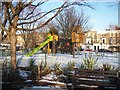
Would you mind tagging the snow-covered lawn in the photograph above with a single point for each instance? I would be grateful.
(109, 58)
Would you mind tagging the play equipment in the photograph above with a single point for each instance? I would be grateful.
(49, 38)
(55, 38)
(77, 37)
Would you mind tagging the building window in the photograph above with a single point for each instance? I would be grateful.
(103, 41)
(88, 47)
(94, 47)
(98, 47)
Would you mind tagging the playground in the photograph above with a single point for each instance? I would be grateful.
(49, 67)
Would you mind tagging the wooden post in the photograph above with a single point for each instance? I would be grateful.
(39, 72)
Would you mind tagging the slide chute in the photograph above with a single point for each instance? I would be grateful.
(49, 38)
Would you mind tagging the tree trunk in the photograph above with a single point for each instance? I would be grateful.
(54, 51)
(73, 49)
(13, 47)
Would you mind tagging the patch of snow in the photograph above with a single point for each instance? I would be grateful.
(23, 74)
(53, 82)
(28, 81)
(50, 77)
(69, 84)
(108, 58)
(42, 88)
(94, 79)
(92, 86)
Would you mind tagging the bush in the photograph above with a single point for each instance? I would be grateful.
(68, 69)
(31, 62)
(89, 62)
(57, 68)
(108, 67)
(44, 68)
(33, 68)
(9, 74)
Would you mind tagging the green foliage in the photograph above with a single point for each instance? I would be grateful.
(44, 68)
(89, 62)
(9, 74)
(70, 65)
(68, 69)
(81, 66)
(33, 68)
(57, 68)
(108, 67)
(32, 62)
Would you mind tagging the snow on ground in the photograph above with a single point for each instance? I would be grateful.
(42, 88)
(109, 58)
(52, 82)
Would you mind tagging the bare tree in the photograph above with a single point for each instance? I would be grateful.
(12, 19)
(70, 21)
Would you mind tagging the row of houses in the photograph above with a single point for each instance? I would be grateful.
(94, 40)
(109, 39)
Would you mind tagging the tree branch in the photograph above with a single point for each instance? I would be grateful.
(42, 15)
(8, 16)
(2, 27)
(11, 7)
(5, 18)
(60, 9)
(35, 6)
(31, 16)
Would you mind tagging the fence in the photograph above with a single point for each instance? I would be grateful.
(95, 79)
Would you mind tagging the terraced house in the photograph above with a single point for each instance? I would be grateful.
(109, 39)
